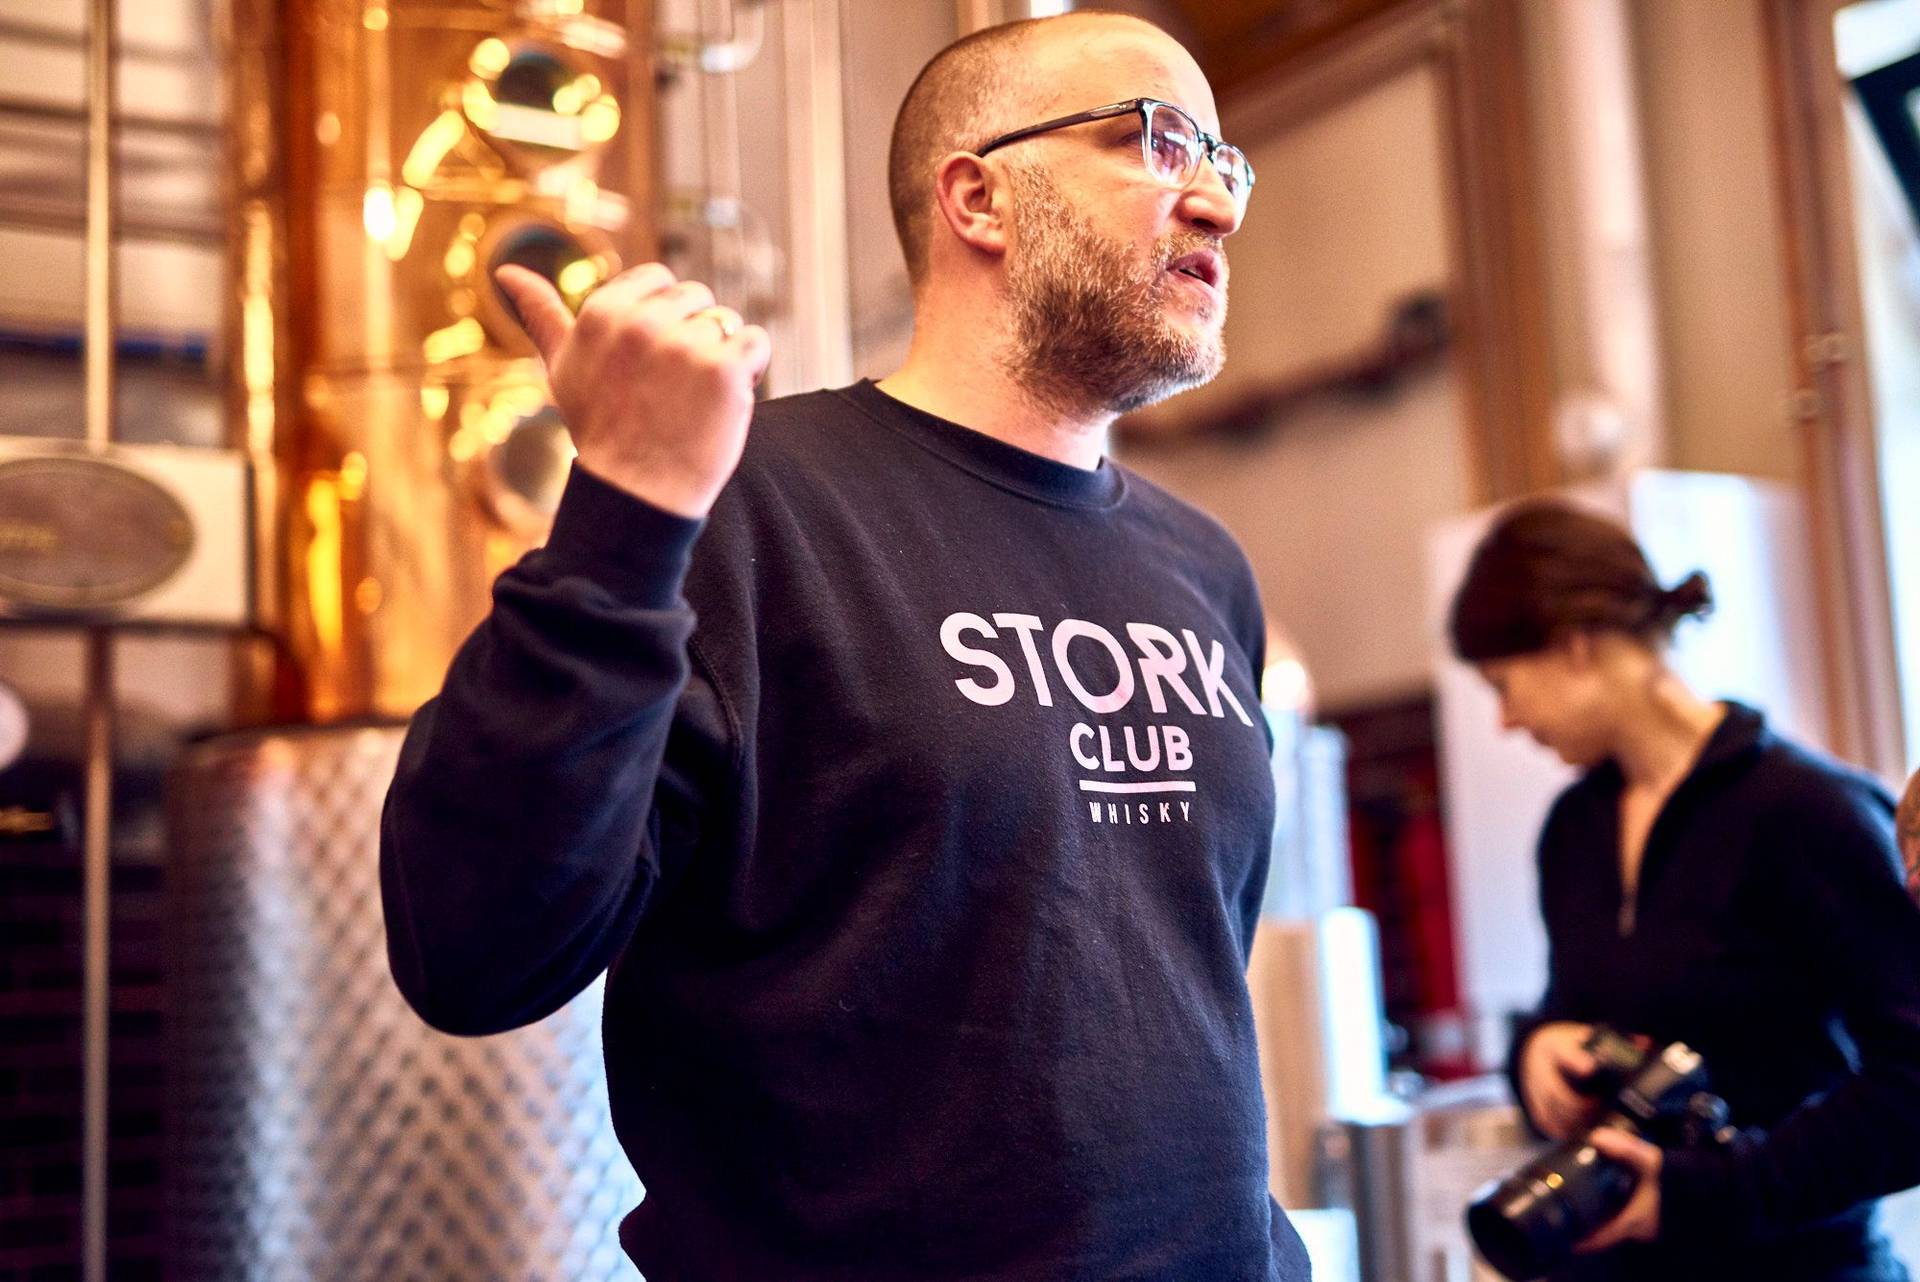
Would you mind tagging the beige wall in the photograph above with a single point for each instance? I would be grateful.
(1350, 213)
(1719, 273)
(885, 47)
(1332, 505)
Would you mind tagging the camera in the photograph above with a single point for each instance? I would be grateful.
(1528, 1223)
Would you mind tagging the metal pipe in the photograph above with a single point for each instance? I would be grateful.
(693, 51)
(970, 16)
(1610, 419)
(99, 642)
(154, 229)
(98, 995)
(719, 99)
(99, 289)
(59, 113)
(818, 302)
(20, 31)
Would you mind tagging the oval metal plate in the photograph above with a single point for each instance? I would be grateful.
(86, 533)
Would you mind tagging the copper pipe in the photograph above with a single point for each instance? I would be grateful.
(99, 686)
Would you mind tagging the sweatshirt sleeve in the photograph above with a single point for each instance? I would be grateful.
(1552, 1006)
(1850, 919)
(534, 801)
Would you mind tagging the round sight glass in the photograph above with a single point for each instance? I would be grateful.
(537, 99)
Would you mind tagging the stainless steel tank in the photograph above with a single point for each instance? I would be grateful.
(320, 1131)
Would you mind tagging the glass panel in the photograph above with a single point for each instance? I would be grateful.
(1878, 46)
(1873, 41)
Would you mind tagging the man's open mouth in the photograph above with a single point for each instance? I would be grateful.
(1202, 265)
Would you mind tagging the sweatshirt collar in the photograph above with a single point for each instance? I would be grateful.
(991, 459)
(1741, 731)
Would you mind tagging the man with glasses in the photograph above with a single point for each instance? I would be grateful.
(896, 754)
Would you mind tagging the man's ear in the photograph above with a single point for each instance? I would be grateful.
(972, 201)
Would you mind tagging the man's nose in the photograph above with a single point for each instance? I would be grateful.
(1208, 205)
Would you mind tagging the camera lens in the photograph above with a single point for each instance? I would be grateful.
(1529, 1222)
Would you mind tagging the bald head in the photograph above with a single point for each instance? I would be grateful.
(983, 85)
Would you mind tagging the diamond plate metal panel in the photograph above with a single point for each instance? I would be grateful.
(321, 1132)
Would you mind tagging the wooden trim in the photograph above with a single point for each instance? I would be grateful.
(1242, 43)
(1833, 403)
(1338, 70)
(1506, 354)
(1476, 51)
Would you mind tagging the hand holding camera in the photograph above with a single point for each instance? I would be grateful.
(1530, 1222)
(1639, 1219)
(1553, 1067)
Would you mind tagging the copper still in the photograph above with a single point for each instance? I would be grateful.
(388, 155)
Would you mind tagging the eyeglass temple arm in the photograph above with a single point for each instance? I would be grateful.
(1077, 118)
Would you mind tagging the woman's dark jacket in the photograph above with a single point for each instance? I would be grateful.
(1771, 932)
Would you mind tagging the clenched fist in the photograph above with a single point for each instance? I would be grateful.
(655, 380)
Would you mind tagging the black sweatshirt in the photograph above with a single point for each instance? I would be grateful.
(920, 805)
(1771, 933)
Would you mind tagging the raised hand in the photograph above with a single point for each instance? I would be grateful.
(654, 379)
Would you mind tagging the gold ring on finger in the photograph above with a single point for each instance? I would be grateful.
(726, 318)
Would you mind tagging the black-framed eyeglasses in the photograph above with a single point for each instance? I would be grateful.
(1172, 146)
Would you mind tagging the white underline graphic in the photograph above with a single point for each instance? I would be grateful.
(1170, 785)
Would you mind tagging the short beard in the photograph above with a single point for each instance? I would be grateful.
(1091, 332)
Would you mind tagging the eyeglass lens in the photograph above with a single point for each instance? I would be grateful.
(1175, 153)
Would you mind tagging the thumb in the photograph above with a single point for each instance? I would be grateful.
(1579, 1061)
(538, 307)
